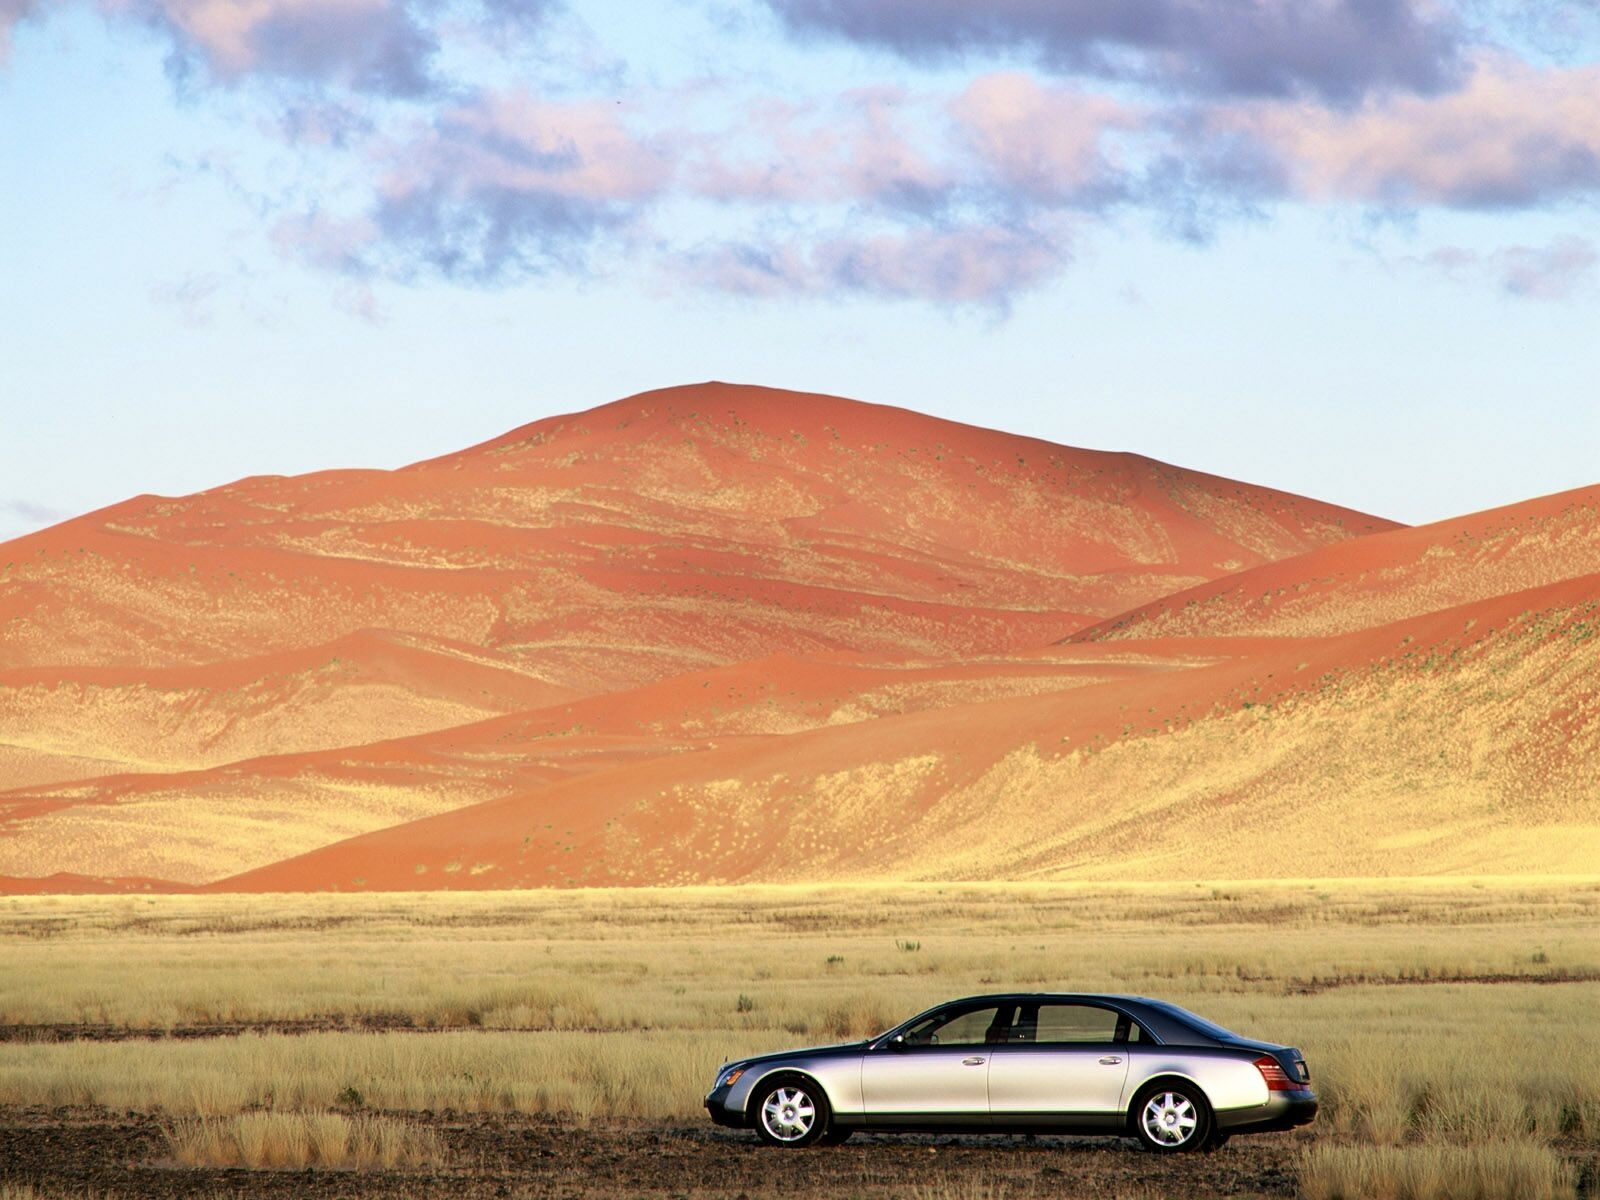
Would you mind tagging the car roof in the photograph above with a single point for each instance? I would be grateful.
(1112, 996)
(1160, 1017)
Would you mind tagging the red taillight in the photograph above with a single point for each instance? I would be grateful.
(1272, 1071)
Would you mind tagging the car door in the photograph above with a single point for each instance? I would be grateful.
(1062, 1065)
(937, 1073)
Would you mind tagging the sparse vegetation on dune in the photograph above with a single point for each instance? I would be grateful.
(303, 1139)
(354, 1013)
(1436, 746)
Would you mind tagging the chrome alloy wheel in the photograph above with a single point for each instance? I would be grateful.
(1169, 1118)
(788, 1114)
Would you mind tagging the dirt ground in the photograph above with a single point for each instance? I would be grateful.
(75, 1152)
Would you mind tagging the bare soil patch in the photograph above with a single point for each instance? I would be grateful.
(125, 1154)
(72, 1031)
(1316, 986)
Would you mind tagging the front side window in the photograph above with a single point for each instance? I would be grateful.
(968, 1027)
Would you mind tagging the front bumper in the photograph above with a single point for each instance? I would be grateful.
(719, 1112)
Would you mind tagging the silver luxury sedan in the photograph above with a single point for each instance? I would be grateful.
(1027, 1062)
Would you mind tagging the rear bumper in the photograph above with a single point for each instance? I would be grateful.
(1285, 1110)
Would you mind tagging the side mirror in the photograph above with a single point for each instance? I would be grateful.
(898, 1042)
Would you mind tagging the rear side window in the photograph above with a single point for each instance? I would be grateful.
(1047, 1024)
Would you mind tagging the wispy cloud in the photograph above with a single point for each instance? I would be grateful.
(1040, 144)
(328, 242)
(1553, 272)
(374, 46)
(859, 147)
(1335, 49)
(975, 265)
(1557, 271)
(1512, 136)
(508, 185)
(370, 47)
(12, 14)
(192, 296)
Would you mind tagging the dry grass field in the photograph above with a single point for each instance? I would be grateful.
(559, 1043)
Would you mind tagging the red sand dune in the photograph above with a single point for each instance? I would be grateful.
(671, 531)
(1386, 577)
(718, 633)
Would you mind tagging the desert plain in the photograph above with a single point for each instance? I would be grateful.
(439, 831)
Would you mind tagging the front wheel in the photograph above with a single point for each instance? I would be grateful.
(1172, 1117)
(791, 1112)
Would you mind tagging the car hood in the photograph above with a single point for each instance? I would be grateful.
(839, 1051)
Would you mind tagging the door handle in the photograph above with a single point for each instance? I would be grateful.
(973, 1062)
(1110, 1060)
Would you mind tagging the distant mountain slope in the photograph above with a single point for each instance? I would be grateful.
(186, 683)
(1384, 578)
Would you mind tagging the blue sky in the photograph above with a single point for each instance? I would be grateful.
(1343, 247)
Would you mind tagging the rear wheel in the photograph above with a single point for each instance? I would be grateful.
(1171, 1117)
(791, 1111)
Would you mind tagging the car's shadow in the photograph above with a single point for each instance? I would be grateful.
(1011, 1143)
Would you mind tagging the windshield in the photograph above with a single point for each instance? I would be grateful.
(1193, 1020)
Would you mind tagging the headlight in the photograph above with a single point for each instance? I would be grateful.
(729, 1077)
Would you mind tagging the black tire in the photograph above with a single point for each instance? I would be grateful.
(836, 1136)
(1171, 1117)
(790, 1110)
(1214, 1143)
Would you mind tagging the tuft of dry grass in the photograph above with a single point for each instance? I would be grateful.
(1391, 1071)
(1482, 1171)
(303, 1139)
